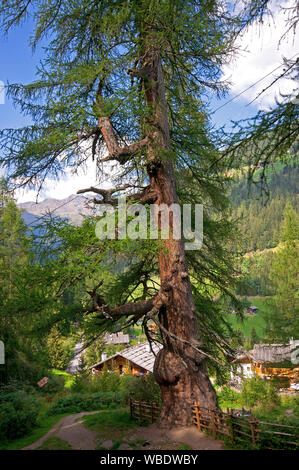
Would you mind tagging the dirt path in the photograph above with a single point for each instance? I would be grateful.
(72, 430)
(164, 439)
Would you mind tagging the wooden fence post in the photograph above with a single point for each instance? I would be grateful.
(253, 427)
(213, 422)
(231, 425)
(140, 412)
(152, 412)
(197, 413)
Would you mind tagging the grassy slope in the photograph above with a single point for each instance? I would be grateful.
(68, 378)
(44, 425)
(54, 443)
(257, 321)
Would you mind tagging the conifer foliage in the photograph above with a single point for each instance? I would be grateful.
(132, 76)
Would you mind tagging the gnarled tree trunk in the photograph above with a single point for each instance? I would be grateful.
(179, 369)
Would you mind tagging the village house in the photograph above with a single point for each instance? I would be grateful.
(268, 361)
(252, 310)
(135, 360)
(116, 338)
(243, 367)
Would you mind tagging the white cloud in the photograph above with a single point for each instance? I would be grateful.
(68, 184)
(260, 54)
(72, 180)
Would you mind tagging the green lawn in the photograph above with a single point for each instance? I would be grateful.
(286, 412)
(68, 378)
(54, 443)
(109, 423)
(257, 321)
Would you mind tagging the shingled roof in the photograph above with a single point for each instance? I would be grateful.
(272, 353)
(243, 355)
(116, 338)
(140, 355)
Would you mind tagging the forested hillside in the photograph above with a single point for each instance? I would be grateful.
(261, 213)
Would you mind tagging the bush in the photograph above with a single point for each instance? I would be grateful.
(18, 414)
(55, 384)
(257, 391)
(143, 388)
(228, 395)
(86, 402)
(16, 386)
(105, 382)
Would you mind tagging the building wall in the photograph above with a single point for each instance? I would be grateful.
(283, 375)
(121, 365)
(244, 370)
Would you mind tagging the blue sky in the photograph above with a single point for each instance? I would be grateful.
(259, 55)
(18, 65)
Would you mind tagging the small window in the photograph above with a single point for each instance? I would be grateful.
(120, 369)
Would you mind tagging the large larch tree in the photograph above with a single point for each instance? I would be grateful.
(132, 76)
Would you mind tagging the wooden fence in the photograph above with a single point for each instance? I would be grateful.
(144, 411)
(236, 428)
(260, 433)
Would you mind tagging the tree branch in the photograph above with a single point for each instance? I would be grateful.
(146, 196)
(105, 193)
(121, 154)
(148, 307)
(141, 72)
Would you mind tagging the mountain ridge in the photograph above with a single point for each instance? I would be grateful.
(73, 208)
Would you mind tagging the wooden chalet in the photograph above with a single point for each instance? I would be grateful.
(252, 310)
(135, 360)
(268, 361)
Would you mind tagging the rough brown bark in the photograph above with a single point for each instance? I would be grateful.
(179, 370)
(121, 154)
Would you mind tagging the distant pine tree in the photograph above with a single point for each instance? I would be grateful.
(284, 321)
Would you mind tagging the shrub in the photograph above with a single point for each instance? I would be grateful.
(228, 395)
(16, 386)
(18, 413)
(86, 402)
(257, 391)
(54, 385)
(105, 382)
(143, 388)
